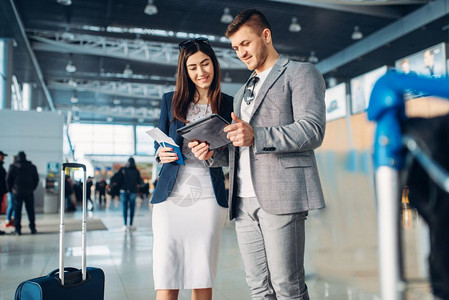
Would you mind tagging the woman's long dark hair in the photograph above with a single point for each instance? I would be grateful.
(185, 88)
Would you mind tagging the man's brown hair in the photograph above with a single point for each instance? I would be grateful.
(250, 17)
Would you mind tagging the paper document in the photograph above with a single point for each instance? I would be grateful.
(160, 137)
(165, 141)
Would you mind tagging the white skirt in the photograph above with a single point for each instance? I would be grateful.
(187, 230)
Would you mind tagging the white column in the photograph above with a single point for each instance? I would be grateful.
(6, 46)
(27, 93)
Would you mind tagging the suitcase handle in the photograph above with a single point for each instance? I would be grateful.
(73, 166)
(61, 226)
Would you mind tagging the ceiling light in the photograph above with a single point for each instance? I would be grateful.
(64, 2)
(74, 99)
(71, 68)
(109, 119)
(140, 120)
(72, 83)
(127, 71)
(226, 17)
(150, 9)
(357, 34)
(294, 26)
(116, 101)
(312, 58)
(66, 35)
(331, 82)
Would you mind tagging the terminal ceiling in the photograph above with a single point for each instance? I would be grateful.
(104, 37)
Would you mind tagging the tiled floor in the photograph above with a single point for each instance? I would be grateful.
(334, 270)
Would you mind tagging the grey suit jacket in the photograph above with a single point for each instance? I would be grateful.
(289, 122)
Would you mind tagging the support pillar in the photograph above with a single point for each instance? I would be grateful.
(27, 93)
(6, 48)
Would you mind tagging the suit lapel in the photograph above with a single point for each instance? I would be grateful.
(178, 139)
(177, 124)
(278, 69)
(238, 98)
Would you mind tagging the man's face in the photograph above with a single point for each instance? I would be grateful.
(250, 47)
(2, 157)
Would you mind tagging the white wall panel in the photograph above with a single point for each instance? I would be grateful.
(39, 134)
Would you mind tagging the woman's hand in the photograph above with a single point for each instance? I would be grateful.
(166, 155)
(200, 150)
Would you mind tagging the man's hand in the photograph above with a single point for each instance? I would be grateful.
(201, 150)
(240, 133)
(166, 155)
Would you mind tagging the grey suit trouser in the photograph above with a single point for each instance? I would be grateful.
(272, 249)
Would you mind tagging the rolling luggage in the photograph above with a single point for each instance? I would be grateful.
(86, 283)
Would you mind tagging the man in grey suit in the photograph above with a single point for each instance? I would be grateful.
(278, 121)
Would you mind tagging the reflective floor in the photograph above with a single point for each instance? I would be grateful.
(334, 269)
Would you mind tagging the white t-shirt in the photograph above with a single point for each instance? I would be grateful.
(244, 181)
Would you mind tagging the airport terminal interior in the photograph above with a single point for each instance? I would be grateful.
(82, 81)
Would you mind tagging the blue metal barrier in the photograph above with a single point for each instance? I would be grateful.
(387, 108)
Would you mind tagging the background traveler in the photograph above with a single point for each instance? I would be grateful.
(100, 189)
(128, 191)
(3, 189)
(89, 185)
(22, 179)
(9, 222)
(69, 194)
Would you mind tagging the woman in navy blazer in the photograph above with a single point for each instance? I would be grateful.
(189, 200)
(167, 175)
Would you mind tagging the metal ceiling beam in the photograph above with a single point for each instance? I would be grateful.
(128, 112)
(363, 7)
(374, 2)
(32, 56)
(114, 88)
(415, 20)
(137, 50)
(109, 76)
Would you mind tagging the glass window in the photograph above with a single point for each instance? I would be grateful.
(102, 139)
(144, 143)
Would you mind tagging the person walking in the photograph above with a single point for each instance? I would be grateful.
(131, 180)
(114, 185)
(68, 194)
(22, 179)
(3, 189)
(189, 201)
(100, 188)
(9, 222)
(279, 120)
(89, 185)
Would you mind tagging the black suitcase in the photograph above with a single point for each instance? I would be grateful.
(66, 283)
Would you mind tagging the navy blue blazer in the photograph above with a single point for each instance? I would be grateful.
(168, 173)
